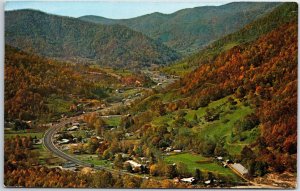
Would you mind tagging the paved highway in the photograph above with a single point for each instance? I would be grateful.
(48, 142)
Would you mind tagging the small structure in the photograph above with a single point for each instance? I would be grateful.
(239, 168)
(73, 128)
(188, 180)
(64, 141)
(76, 124)
(207, 182)
(177, 151)
(133, 164)
(219, 158)
(128, 134)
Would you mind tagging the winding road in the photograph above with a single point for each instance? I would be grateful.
(49, 144)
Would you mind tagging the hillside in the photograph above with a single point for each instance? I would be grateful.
(190, 29)
(39, 88)
(78, 41)
(284, 13)
(242, 104)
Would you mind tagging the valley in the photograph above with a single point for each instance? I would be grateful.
(113, 104)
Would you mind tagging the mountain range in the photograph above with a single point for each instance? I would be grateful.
(188, 30)
(78, 41)
(154, 39)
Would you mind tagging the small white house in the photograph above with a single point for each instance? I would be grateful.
(64, 141)
(133, 164)
(73, 128)
(188, 180)
(177, 151)
(240, 168)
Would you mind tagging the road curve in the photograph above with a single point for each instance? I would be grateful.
(48, 143)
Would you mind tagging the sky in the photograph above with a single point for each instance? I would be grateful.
(114, 9)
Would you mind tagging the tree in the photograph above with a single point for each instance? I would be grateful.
(118, 162)
(210, 176)
(106, 154)
(128, 167)
(154, 170)
(182, 169)
(198, 175)
(170, 171)
(195, 118)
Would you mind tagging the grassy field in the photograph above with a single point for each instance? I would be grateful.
(58, 105)
(220, 129)
(9, 134)
(93, 159)
(202, 163)
(178, 69)
(113, 121)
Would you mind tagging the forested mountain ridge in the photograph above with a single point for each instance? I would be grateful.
(242, 104)
(282, 14)
(264, 73)
(188, 30)
(72, 39)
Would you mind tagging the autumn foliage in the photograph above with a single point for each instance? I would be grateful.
(264, 72)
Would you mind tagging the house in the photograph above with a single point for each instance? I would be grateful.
(128, 134)
(133, 164)
(76, 124)
(63, 141)
(207, 182)
(177, 151)
(168, 149)
(239, 168)
(188, 180)
(73, 128)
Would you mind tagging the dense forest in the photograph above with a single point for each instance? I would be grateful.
(62, 38)
(190, 29)
(36, 87)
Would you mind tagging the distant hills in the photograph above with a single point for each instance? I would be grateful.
(71, 39)
(188, 30)
(284, 13)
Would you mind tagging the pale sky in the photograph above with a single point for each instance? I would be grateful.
(110, 9)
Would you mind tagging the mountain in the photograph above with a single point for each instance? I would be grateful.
(72, 39)
(284, 13)
(242, 104)
(190, 29)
